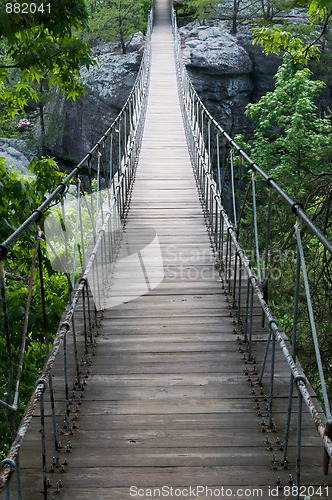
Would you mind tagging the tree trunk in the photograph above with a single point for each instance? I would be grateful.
(42, 129)
(236, 6)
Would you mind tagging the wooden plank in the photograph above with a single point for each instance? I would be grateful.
(161, 436)
(181, 423)
(230, 407)
(104, 388)
(192, 456)
(123, 477)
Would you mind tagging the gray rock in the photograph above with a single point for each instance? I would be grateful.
(264, 66)
(17, 155)
(137, 42)
(213, 47)
(73, 127)
(227, 71)
(221, 70)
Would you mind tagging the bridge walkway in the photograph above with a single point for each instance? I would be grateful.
(167, 401)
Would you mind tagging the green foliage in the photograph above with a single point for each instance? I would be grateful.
(198, 9)
(42, 45)
(317, 9)
(8, 127)
(264, 13)
(300, 42)
(117, 20)
(20, 196)
(293, 144)
(275, 39)
(290, 140)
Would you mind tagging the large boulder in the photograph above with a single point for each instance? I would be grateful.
(215, 49)
(226, 70)
(73, 127)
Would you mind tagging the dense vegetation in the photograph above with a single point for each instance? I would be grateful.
(116, 21)
(39, 52)
(293, 145)
(19, 197)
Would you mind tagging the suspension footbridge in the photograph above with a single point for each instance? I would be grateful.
(169, 374)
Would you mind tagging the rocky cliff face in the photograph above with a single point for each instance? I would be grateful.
(228, 72)
(74, 127)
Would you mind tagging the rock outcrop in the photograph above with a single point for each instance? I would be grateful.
(16, 154)
(73, 127)
(228, 72)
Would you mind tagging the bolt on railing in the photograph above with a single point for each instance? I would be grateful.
(233, 188)
(82, 232)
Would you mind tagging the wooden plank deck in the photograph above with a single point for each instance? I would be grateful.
(167, 402)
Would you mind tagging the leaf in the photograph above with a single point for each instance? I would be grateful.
(18, 188)
(16, 314)
(5, 227)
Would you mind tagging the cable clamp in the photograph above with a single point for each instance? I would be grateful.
(10, 462)
(300, 378)
(274, 322)
(39, 213)
(66, 325)
(42, 381)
